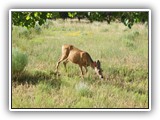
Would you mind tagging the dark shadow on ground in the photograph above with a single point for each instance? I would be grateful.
(36, 77)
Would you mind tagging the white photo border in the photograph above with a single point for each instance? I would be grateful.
(79, 109)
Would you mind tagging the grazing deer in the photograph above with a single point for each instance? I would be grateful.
(82, 58)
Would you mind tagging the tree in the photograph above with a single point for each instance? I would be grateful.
(28, 19)
(129, 18)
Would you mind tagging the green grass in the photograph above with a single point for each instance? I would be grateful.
(123, 54)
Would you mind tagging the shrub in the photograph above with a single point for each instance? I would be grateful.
(47, 24)
(37, 27)
(23, 32)
(83, 89)
(19, 61)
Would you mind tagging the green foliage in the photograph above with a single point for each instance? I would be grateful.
(19, 61)
(129, 18)
(94, 16)
(72, 14)
(28, 19)
(55, 15)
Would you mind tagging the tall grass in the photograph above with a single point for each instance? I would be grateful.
(123, 54)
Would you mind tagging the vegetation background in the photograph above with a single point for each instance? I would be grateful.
(122, 51)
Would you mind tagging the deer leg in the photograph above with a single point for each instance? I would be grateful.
(58, 65)
(65, 63)
(86, 68)
(81, 71)
(60, 60)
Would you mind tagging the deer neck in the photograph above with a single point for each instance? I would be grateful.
(90, 61)
(93, 64)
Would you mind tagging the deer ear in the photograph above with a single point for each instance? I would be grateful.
(98, 62)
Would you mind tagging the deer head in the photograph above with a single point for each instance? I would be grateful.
(97, 68)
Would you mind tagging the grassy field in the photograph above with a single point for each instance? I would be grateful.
(123, 53)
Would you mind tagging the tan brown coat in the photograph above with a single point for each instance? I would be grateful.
(79, 57)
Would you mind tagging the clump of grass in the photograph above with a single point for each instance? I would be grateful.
(132, 35)
(84, 103)
(105, 30)
(19, 61)
(83, 89)
(129, 73)
(46, 86)
(48, 24)
(129, 39)
(129, 79)
(136, 33)
(22, 32)
(37, 27)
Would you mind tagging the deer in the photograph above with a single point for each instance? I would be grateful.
(79, 57)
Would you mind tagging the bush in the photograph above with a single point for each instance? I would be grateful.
(37, 27)
(83, 89)
(23, 32)
(19, 61)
